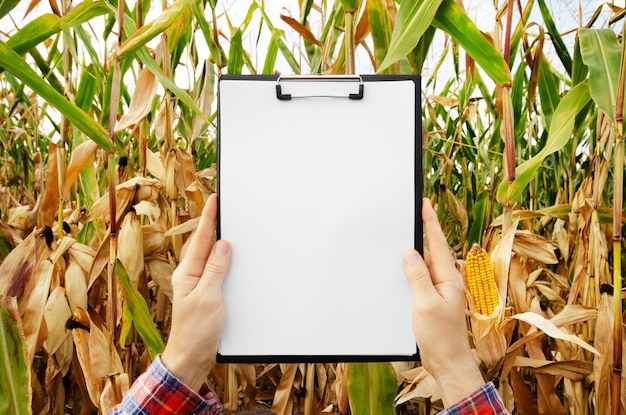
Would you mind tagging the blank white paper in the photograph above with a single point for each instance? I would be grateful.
(317, 199)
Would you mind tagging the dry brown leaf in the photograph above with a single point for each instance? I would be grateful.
(422, 385)
(147, 209)
(33, 305)
(100, 260)
(283, 398)
(130, 246)
(56, 313)
(93, 349)
(534, 247)
(602, 365)
(76, 286)
(573, 314)
(141, 102)
(155, 166)
(20, 217)
(154, 239)
(61, 248)
(79, 158)
(83, 255)
(64, 354)
(188, 226)
(50, 200)
(196, 197)
(576, 370)
(161, 272)
(445, 101)
(81, 335)
(598, 251)
(17, 268)
(125, 193)
(524, 400)
(501, 260)
(115, 387)
(553, 331)
(548, 401)
(171, 165)
(517, 284)
(205, 102)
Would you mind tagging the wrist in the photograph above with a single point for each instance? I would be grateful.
(191, 373)
(459, 379)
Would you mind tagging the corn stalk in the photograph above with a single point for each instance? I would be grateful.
(112, 288)
(618, 195)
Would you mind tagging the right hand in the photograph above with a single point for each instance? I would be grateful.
(439, 314)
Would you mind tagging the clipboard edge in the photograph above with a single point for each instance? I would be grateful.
(418, 224)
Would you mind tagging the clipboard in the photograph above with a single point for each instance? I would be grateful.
(319, 194)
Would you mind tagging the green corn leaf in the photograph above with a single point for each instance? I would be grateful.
(217, 53)
(168, 83)
(151, 30)
(14, 64)
(602, 54)
(277, 35)
(559, 133)
(479, 218)
(414, 17)
(270, 57)
(6, 6)
(549, 94)
(380, 26)
(372, 388)
(350, 5)
(15, 390)
(44, 26)
(140, 313)
(235, 54)
(453, 20)
(557, 41)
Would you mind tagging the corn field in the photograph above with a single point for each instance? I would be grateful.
(107, 131)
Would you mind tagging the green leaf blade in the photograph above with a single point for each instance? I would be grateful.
(602, 54)
(140, 313)
(13, 63)
(414, 17)
(15, 391)
(560, 131)
(453, 20)
(371, 388)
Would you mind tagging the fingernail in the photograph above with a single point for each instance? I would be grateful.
(411, 257)
(221, 248)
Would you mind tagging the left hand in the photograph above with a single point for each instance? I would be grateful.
(198, 309)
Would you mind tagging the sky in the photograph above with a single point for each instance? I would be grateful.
(480, 11)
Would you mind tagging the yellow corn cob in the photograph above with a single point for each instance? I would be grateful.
(481, 280)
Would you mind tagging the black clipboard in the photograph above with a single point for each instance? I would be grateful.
(319, 193)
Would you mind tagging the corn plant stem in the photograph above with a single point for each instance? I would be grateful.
(507, 36)
(349, 41)
(618, 189)
(112, 184)
(310, 389)
(618, 196)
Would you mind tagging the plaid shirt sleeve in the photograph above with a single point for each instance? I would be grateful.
(158, 392)
(485, 401)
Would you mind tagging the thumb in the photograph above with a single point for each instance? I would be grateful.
(216, 266)
(418, 275)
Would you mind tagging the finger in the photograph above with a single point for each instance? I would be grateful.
(202, 242)
(439, 257)
(418, 276)
(216, 267)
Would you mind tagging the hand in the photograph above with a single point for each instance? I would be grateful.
(198, 309)
(439, 314)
